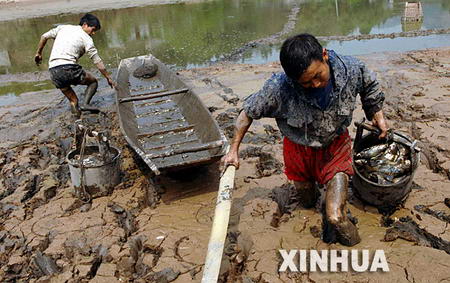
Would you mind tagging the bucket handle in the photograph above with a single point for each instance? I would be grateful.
(361, 126)
(392, 136)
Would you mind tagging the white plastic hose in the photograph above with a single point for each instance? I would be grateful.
(219, 227)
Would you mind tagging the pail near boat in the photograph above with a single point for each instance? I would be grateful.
(99, 178)
(383, 196)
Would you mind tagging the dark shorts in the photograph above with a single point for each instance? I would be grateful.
(66, 75)
(303, 163)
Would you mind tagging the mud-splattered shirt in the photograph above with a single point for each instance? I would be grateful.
(71, 42)
(301, 120)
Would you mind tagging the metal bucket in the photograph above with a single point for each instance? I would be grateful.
(99, 180)
(384, 196)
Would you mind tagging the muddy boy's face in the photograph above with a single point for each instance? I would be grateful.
(317, 75)
(89, 30)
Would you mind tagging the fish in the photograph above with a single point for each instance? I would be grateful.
(389, 156)
(380, 162)
(403, 151)
(391, 152)
(372, 152)
(393, 148)
(360, 162)
(392, 170)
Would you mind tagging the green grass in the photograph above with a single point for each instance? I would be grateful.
(18, 88)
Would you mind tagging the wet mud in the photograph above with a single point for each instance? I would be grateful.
(409, 230)
(266, 164)
(237, 250)
(157, 229)
(439, 214)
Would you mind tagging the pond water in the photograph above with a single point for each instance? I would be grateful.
(196, 34)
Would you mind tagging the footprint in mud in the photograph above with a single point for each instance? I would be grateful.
(285, 197)
(237, 250)
(125, 219)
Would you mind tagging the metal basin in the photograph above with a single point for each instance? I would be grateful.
(383, 195)
(100, 179)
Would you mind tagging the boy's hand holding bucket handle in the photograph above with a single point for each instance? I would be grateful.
(379, 122)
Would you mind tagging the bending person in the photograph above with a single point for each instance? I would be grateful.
(71, 42)
(313, 103)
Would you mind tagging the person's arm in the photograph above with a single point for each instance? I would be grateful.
(41, 45)
(50, 34)
(243, 122)
(102, 69)
(93, 54)
(372, 99)
(264, 103)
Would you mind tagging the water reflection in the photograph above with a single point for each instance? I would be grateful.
(189, 35)
(179, 34)
(412, 17)
(355, 47)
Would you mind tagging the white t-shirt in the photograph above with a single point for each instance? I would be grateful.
(71, 42)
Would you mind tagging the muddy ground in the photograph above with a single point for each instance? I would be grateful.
(48, 235)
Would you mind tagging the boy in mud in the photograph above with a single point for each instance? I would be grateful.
(313, 103)
(71, 42)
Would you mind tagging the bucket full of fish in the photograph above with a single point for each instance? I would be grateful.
(384, 169)
(94, 168)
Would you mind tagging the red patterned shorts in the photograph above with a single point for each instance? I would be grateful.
(304, 163)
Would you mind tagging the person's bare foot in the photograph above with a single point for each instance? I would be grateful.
(347, 234)
(75, 109)
(91, 109)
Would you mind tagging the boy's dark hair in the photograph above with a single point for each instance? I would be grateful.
(91, 21)
(297, 53)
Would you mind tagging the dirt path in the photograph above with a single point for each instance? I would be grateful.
(44, 230)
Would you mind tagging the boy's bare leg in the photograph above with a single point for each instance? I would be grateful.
(91, 82)
(91, 89)
(73, 99)
(307, 193)
(335, 209)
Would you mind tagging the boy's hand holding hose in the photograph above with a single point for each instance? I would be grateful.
(243, 122)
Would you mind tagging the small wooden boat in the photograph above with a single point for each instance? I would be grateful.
(163, 120)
